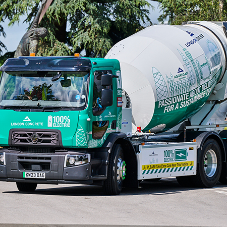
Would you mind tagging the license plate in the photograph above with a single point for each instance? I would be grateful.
(33, 175)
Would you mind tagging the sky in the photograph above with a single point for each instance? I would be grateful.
(14, 33)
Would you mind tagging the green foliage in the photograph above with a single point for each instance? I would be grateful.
(178, 11)
(4, 57)
(94, 26)
(2, 46)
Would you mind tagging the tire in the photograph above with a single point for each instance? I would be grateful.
(209, 165)
(26, 187)
(116, 171)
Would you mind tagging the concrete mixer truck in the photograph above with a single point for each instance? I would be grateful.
(153, 108)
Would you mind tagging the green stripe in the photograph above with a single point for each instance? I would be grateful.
(23, 174)
(159, 170)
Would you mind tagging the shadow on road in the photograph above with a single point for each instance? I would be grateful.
(162, 187)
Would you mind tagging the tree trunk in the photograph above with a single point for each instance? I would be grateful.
(221, 5)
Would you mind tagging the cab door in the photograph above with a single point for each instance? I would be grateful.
(104, 107)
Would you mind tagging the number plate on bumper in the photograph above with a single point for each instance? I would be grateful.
(33, 175)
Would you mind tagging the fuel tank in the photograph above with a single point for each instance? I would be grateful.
(170, 71)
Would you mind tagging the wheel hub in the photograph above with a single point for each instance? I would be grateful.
(210, 163)
(121, 170)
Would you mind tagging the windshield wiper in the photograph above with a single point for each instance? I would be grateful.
(57, 77)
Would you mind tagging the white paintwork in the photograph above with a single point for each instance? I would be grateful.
(126, 125)
(153, 154)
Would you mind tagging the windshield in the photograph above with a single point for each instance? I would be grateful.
(37, 89)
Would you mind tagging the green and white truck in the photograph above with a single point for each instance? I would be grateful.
(154, 107)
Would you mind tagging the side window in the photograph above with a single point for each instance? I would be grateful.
(97, 89)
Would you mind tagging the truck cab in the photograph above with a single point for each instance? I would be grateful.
(56, 114)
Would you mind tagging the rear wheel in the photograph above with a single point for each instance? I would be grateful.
(209, 165)
(116, 171)
(26, 187)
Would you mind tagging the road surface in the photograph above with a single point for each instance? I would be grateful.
(162, 203)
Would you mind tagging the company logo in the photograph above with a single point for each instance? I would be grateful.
(190, 33)
(58, 121)
(176, 155)
(109, 115)
(153, 154)
(124, 123)
(34, 138)
(27, 119)
(195, 40)
(180, 70)
(50, 122)
(180, 154)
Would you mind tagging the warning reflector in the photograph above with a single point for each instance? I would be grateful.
(119, 102)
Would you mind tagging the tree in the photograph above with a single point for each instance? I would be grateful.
(178, 11)
(94, 26)
(2, 46)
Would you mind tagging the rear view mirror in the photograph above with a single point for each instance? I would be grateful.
(66, 83)
(107, 97)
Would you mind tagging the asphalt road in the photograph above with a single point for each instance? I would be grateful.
(162, 203)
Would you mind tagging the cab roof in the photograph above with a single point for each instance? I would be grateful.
(58, 63)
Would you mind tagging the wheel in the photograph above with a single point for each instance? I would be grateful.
(185, 181)
(116, 171)
(209, 166)
(26, 187)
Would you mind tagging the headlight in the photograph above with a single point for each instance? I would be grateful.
(76, 159)
(2, 158)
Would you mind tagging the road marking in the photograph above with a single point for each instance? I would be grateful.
(222, 192)
(218, 190)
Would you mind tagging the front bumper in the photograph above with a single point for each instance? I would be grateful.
(52, 164)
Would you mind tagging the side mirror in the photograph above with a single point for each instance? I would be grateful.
(106, 80)
(107, 97)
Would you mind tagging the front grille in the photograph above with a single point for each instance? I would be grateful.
(34, 163)
(38, 150)
(32, 158)
(48, 138)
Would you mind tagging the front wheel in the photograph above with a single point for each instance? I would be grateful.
(26, 187)
(116, 171)
(209, 166)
